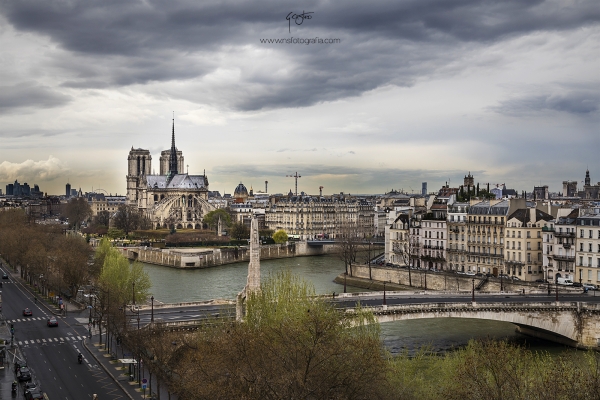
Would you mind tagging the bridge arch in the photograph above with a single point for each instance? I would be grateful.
(566, 323)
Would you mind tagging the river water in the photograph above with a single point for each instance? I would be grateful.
(224, 282)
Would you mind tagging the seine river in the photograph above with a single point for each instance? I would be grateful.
(224, 282)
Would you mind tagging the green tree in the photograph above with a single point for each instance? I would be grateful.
(292, 345)
(114, 233)
(239, 231)
(77, 210)
(211, 219)
(280, 236)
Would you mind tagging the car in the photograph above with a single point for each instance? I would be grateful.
(514, 278)
(577, 284)
(470, 273)
(34, 394)
(19, 364)
(479, 274)
(30, 385)
(27, 312)
(52, 321)
(24, 374)
(4, 275)
(540, 280)
(590, 286)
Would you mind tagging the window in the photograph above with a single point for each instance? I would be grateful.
(580, 246)
(528, 257)
(581, 231)
(590, 247)
(528, 235)
(528, 245)
(591, 236)
(519, 245)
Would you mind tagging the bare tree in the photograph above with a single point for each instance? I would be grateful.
(77, 210)
(127, 218)
(102, 218)
(348, 240)
(407, 248)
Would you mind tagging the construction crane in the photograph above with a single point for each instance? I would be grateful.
(295, 176)
(320, 191)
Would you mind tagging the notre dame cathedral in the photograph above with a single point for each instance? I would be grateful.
(171, 199)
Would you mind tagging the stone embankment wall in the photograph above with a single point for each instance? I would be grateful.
(204, 258)
(445, 280)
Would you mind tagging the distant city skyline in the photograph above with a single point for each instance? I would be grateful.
(412, 92)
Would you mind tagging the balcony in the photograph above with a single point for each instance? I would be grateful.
(547, 229)
(563, 258)
(564, 234)
(514, 263)
(567, 246)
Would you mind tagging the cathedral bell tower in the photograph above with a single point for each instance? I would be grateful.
(139, 164)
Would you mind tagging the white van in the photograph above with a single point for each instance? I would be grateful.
(564, 281)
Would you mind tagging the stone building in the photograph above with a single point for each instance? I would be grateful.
(485, 236)
(523, 246)
(558, 247)
(587, 256)
(313, 217)
(456, 221)
(172, 199)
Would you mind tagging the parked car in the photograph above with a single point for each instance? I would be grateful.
(19, 364)
(24, 374)
(30, 385)
(27, 312)
(52, 321)
(479, 274)
(541, 280)
(577, 284)
(34, 394)
(590, 286)
(470, 273)
(514, 278)
(4, 275)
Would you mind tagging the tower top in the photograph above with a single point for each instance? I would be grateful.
(173, 156)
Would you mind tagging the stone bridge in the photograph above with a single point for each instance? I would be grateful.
(575, 324)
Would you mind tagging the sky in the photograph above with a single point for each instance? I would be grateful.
(388, 94)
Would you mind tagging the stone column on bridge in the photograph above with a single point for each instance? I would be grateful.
(253, 282)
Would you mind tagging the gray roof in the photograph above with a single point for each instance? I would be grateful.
(180, 181)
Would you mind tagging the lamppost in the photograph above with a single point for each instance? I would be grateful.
(370, 277)
(473, 291)
(152, 314)
(557, 292)
(133, 285)
(384, 302)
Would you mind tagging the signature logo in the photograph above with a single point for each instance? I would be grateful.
(298, 18)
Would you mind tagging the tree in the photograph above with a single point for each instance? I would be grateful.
(127, 218)
(239, 231)
(280, 236)
(347, 241)
(292, 345)
(407, 248)
(120, 283)
(102, 218)
(114, 233)
(211, 219)
(77, 210)
(74, 255)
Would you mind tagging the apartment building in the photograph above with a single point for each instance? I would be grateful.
(485, 236)
(433, 240)
(558, 245)
(523, 247)
(456, 222)
(397, 239)
(587, 257)
(310, 217)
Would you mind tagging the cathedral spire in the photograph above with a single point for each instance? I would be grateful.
(173, 156)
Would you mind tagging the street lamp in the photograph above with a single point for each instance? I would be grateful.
(473, 291)
(152, 314)
(384, 302)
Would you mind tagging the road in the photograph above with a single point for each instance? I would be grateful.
(51, 352)
(198, 312)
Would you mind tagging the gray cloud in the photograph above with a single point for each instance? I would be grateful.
(33, 171)
(575, 102)
(116, 43)
(30, 94)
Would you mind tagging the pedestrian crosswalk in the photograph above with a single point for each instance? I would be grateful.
(12, 321)
(64, 339)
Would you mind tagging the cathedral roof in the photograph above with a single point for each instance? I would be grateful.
(179, 181)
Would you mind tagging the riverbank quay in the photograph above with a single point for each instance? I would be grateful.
(197, 258)
(372, 278)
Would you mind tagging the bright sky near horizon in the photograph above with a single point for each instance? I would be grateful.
(414, 91)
